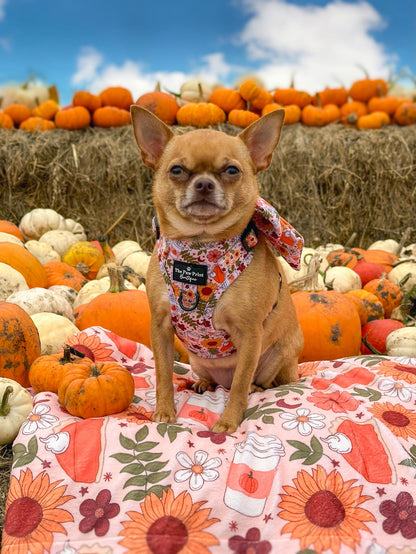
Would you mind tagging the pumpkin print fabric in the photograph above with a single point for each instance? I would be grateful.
(326, 464)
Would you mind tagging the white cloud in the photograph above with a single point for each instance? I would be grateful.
(2, 11)
(318, 45)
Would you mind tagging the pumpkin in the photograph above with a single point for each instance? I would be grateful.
(46, 109)
(34, 124)
(59, 239)
(388, 104)
(194, 90)
(47, 370)
(11, 228)
(124, 248)
(382, 257)
(72, 118)
(374, 335)
(19, 343)
(120, 97)
(202, 114)
(74, 227)
(389, 294)
(342, 257)
(68, 293)
(6, 122)
(374, 120)
(85, 257)
(405, 113)
(341, 279)
(403, 274)
(10, 281)
(15, 405)
(368, 270)
(402, 342)
(351, 111)
(61, 273)
(330, 324)
(256, 96)
(292, 114)
(242, 118)
(96, 390)
(162, 104)
(292, 96)
(94, 288)
(138, 262)
(38, 299)
(308, 277)
(364, 89)
(24, 262)
(389, 245)
(18, 113)
(53, 331)
(227, 99)
(39, 220)
(6, 237)
(368, 305)
(42, 251)
(337, 96)
(111, 116)
(84, 98)
(125, 312)
(248, 482)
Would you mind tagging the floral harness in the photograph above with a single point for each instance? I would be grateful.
(197, 273)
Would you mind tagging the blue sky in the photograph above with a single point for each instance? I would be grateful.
(92, 44)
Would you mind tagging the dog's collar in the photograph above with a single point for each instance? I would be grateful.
(281, 235)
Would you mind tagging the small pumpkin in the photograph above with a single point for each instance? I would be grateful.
(201, 114)
(162, 104)
(72, 118)
(84, 98)
(85, 257)
(120, 97)
(292, 95)
(111, 116)
(374, 335)
(364, 89)
(38, 299)
(387, 103)
(11, 228)
(227, 99)
(342, 257)
(46, 109)
(194, 90)
(351, 111)
(11, 281)
(61, 273)
(405, 113)
(34, 124)
(389, 294)
(368, 270)
(24, 262)
(374, 120)
(402, 342)
(15, 405)
(256, 96)
(242, 118)
(59, 239)
(337, 96)
(403, 275)
(341, 279)
(39, 220)
(6, 122)
(18, 113)
(96, 389)
(368, 305)
(19, 343)
(248, 482)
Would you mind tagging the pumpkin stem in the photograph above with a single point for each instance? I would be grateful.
(95, 371)
(116, 279)
(370, 347)
(4, 405)
(107, 252)
(83, 268)
(404, 238)
(68, 350)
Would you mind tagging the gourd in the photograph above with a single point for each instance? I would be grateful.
(374, 335)
(6, 122)
(404, 275)
(19, 343)
(364, 89)
(94, 288)
(34, 124)
(59, 239)
(242, 118)
(368, 305)
(389, 245)
(11, 281)
(125, 247)
(374, 120)
(138, 262)
(95, 390)
(254, 94)
(85, 257)
(389, 294)
(46, 109)
(53, 331)
(194, 90)
(402, 342)
(42, 251)
(65, 291)
(61, 273)
(15, 405)
(405, 113)
(86, 99)
(39, 220)
(308, 273)
(341, 279)
(38, 299)
(18, 112)
(292, 95)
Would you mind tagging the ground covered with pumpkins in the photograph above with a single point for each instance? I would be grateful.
(75, 241)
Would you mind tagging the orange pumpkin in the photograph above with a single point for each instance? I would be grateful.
(342, 258)
(162, 104)
(382, 257)
(11, 228)
(19, 343)
(368, 305)
(248, 482)
(46, 372)
(337, 96)
(120, 97)
(389, 294)
(351, 111)
(34, 124)
(110, 116)
(292, 96)
(364, 89)
(85, 257)
(292, 112)
(405, 113)
(227, 99)
(95, 389)
(84, 98)
(26, 263)
(374, 120)
(200, 114)
(72, 118)
(6, 122)
(61, 273)
(242, 118)
(330, 324)
(386, 104)
(125, 312)
(46, 109)
(256, 96)
(18, 112)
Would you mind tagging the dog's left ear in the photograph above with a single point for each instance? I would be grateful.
(262, 136)
(152, 135)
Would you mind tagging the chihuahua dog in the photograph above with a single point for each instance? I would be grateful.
(214, 278)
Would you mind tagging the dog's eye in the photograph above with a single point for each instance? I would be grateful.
(176, 170)
(232, 170)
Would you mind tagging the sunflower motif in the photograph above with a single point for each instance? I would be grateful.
(32, 512)
(323, 511)
(396, 370)
(91, 346)
(400, 420)
(168, 525)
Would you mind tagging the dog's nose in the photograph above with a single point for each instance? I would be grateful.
(204, 186)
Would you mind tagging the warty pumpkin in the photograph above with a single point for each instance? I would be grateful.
(72, 118)
(201, 114)
(111, 116)
(19, 343)
(24, 262)
(120, 97)
(389, 294)
(96, 390)
(368, 305)
(85, 257)
(11, 281)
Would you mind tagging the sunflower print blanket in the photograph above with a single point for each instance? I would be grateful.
(324, 465)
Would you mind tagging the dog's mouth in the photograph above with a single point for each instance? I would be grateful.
(202, 208)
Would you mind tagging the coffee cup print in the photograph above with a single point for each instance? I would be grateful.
(204, 409)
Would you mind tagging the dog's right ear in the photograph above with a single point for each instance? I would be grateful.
(152, 135)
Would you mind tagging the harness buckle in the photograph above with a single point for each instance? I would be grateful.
(249, 237)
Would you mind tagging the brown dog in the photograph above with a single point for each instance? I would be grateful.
(205, 192)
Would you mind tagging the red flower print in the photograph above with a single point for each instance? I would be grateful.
(214, 255)
(400, 515)
(338, 402)
(97, 513)
(250, 544)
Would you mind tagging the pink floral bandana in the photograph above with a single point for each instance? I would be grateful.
(197, 273)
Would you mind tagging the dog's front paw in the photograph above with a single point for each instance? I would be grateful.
(222, 426)
(203, 385)
(164, 416)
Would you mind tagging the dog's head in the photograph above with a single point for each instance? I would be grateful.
(205, 180)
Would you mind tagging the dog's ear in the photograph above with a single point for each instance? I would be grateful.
(262, 136)
(152, 135)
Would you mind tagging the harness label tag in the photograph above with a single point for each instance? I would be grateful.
(192, 274)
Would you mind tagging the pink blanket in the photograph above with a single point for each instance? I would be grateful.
(326, 464)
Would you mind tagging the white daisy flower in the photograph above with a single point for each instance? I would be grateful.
(304, 421)
(38, 419)
(198, 470)
(396, 388)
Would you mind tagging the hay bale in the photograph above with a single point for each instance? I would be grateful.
(329, 182)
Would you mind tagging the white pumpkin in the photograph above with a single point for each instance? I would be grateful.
(7, 237)
(138, 262)
(402, 342)
(11, 281)
(75, 227)
(53, 331)
(36, 222)
(94, 288)
(194, 90)
(42, 251)
(404, 275)
(124, 248)
(342, 279)
(59, 239)
(30, 94)
(38, 299)
(15, 405)
(388, 245)
(67, 292)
